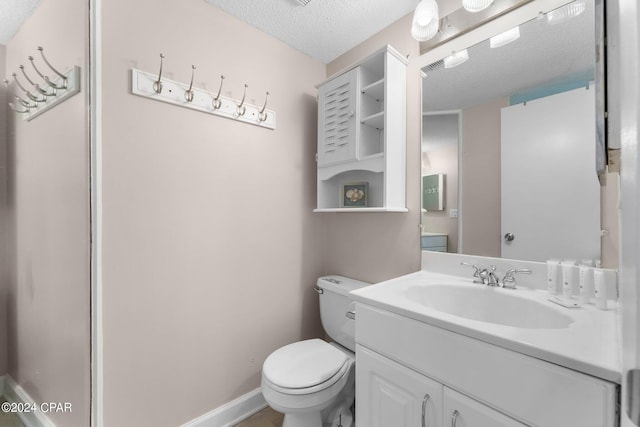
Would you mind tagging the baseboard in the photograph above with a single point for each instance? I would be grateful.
(231, 413)
(16, 394)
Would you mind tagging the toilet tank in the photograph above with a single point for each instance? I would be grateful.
(335, 302)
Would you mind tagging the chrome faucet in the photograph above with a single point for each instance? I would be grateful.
(509, 280)
(485, 276)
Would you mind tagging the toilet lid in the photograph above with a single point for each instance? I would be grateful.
(303, 364)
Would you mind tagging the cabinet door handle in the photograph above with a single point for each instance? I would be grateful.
(424, 409)
(454, 417)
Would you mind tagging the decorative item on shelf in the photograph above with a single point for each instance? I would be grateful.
(43, 99)
(154, 86)
(355, 195)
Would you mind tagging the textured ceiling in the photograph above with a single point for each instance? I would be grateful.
(543, 55)
(12, 14)
(324, 29)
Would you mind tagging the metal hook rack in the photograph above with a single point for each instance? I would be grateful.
(59, 90)
(154, 86)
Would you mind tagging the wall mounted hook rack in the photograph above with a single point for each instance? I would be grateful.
(58, 90)
(153, 86)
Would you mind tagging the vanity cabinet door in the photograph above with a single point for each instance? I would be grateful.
(461, 411)
(389, 394)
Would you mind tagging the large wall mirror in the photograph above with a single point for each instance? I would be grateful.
(514, 128)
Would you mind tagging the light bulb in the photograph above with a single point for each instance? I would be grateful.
(476, 5)
(426, 20)
(566, 12)
(505, 38)
(456, 59)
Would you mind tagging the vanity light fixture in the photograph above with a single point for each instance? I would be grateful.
(456, 58)
(566, 12)
(505, 38)
(426, 20)
(476, 5)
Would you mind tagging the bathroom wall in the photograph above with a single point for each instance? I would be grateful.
(480, 192)
(4, 272)
(48, 215)
(378, 246)
(210, 247)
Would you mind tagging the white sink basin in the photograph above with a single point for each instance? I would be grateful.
(487, 304)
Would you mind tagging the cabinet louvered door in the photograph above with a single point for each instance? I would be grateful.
(337, 114)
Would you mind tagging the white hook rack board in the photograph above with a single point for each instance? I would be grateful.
(73, 87)
(174, 93)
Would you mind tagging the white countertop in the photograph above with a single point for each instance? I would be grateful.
(589, 344)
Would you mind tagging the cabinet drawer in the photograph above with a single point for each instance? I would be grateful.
(530, 390)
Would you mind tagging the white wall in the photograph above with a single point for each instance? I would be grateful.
(378, 246)
(48, 215)
(4, 267)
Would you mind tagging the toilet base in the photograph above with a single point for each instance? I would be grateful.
(307, 419)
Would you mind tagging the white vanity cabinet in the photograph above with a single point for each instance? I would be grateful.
(362, 134)
(389, 394)
(469, 382)
(392, 395)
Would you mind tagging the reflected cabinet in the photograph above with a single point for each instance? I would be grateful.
(362, 136)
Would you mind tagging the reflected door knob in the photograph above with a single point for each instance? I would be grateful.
(509, 237)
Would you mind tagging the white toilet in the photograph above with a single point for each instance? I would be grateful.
(313, 382)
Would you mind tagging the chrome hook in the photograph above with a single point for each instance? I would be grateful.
(25, 103)
(26, 110)
(29, 95)
(188, 95)
(216, 100)
(53, 86)
(62, 76)
(241, 108)
(157, 85)
(262, 116)
(22, 102)
(43, 92)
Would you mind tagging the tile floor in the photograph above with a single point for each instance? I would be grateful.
(265, 418)
(12, 420)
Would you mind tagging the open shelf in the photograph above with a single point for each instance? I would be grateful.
(375, 120)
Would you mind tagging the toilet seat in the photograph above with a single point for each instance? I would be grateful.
(305, 367)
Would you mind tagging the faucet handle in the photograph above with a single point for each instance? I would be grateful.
(509, 280)
(476, 268)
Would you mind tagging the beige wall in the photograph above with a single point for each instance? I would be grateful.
(480, 177)
(378, 246)
(4, 266)
(48, 215)
(210, 247)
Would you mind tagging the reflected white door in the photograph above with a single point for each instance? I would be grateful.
(550, 191)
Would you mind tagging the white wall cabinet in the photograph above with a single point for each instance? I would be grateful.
(362, 134)
(389, 394)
